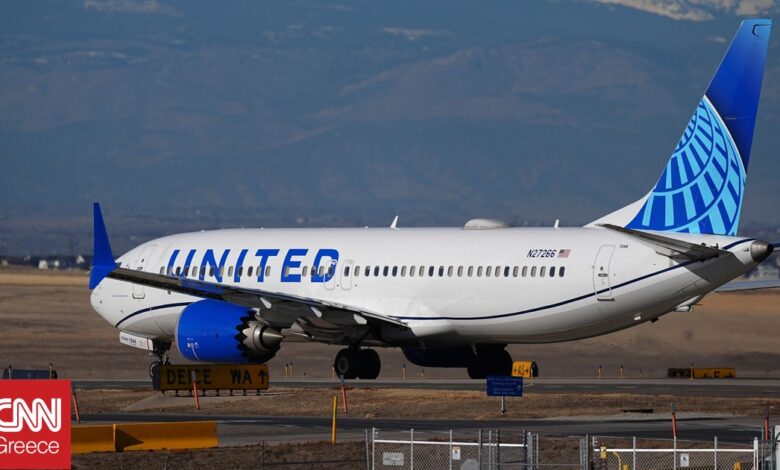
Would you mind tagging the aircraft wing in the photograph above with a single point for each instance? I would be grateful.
(671, 247)
(255, 298)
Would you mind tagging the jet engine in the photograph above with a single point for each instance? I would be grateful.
(216, 331)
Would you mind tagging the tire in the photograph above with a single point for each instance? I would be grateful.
(476, 369)
(347, 364)
(501, 363)
(370, 364)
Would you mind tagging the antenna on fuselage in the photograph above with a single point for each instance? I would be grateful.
(395, 223)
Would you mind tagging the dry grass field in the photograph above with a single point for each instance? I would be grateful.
(46, 317)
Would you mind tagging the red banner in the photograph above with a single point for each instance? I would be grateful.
(35, 423)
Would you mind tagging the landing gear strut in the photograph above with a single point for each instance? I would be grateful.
(353, 362)
(161, 351)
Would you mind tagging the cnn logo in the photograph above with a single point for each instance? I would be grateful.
(34, 424)
(34, 416)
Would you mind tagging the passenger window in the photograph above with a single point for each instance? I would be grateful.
(221, 271)
(268, 271)
(178, 270)
(412, 270)
(561, 271)
(542, 271)
(211, 271)
(186, 271)
(286, 271)
(395, 271)
(533, 271)
(385, 271)
(430, 271)
(421, 271)
(249, 271)
(525, 271)
(488, 271)
(479, 271)
(368, 271)
(441, 271)
(506, 271)
(240, 271)
(376, 271)
(449, 271)
(305, 271)
(552, 271)
(357, 271)
(202, 271)
(230, 271)
(514, 271)
(162, 269)
(331, 270)
(403, 271)
(346, 270)
(471, 271)
(460, 271)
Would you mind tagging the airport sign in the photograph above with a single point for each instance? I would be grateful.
(504, 386)
(213, 377)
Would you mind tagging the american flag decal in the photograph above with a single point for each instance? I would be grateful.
(563, 253)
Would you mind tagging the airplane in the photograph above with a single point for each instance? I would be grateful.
(454, 297)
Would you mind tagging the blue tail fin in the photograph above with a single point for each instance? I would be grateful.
(702, 187)
(102, 258)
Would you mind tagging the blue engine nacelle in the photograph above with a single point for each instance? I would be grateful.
(215, 331)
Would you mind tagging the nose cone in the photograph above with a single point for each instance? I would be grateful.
(760, 251)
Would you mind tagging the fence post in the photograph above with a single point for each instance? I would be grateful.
(633, 460)
(715, 453)
(373, 448)
(490, 448)
(368, 464)
(479, 441)
(450, 449)
(498, 447)
(755, 452)
(675, 453)
(411, 449)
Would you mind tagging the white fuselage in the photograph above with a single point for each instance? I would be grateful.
(552, 284)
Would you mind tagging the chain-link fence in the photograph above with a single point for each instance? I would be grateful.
(620, 454)
(446, 450)
(495, 450)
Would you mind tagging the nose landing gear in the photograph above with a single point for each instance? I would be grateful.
(161, 351)
(353, 362)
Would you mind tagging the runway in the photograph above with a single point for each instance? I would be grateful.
(251, 429)
(732, 388)
(244, 430)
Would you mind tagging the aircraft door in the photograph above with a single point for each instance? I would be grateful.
(140, 262)
(346, 274)
(601, 273)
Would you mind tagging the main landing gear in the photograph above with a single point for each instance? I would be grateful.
(490, 360)
(161, 351)
(353, 363)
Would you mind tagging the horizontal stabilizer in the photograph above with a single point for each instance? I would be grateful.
(671, 247)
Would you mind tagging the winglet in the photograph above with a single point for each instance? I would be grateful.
(102, 258)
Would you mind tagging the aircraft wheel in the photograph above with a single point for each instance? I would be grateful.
(347, 363)
(501, 363)
(370, 364)
(476, 369)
